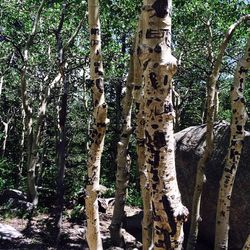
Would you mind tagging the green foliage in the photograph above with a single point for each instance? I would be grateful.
(77, 213)
(119, 21)
(134, 197)
(6, 174)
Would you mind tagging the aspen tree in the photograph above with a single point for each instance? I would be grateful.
(140, 145)
(238, 121)
(62, 107)
(123, 160)
(211, 106)
(159, 66)
(33, 136)
(99, 128)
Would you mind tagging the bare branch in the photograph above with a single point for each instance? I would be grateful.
(72, 38)
(35, 25)
(224, 44)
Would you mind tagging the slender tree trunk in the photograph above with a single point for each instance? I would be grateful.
(61, 157)
(5, 137)
(176, 103)
(138, 94)
(147, 224)
(62, 116)
(237, 127)
(32, 147)
(99, 128)
(123, 161)
(22, 151)
(32, 159)
(159, 66)
(200, 175)
(1, 85)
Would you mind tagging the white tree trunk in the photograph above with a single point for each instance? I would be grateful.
(123, 161)
(239, 118)
(138, 94)
(210, 115)
(159, 66)
(99, 128)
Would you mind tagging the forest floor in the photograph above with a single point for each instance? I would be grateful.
(39, 234)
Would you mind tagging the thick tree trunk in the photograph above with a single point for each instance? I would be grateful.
(99, 128)
(211, 106)
(159, 66)
(239, 117)
(123, 161)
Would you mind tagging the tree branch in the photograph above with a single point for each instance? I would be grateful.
(72, 38)
(35, 25)
(224, 44)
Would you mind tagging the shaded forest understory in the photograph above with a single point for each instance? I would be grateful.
(189, 147)
(73, 233)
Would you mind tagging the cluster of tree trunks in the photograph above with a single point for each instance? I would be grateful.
(149, 85)
(152, 59)
(212, 106)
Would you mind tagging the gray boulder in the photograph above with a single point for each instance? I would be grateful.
(9, 233)
(15, 200)
(8, 194)
(189, 148)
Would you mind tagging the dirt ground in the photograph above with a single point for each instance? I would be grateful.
(40, 236)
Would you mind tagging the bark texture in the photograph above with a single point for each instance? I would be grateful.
(210, 116)
(99, 128)
(159, 66)
(140, 147)
(239, 117)
(123, 161)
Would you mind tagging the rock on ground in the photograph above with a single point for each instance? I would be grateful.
(189, 148)
(9, 233)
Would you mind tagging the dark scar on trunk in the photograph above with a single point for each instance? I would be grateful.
(170, 213)
(161, 8)
(153, 80)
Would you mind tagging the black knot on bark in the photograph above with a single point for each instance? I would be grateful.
(153, 79)
(159, 139)
(99, 85)
(161, 8)
(168, 108)
(157, 49)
